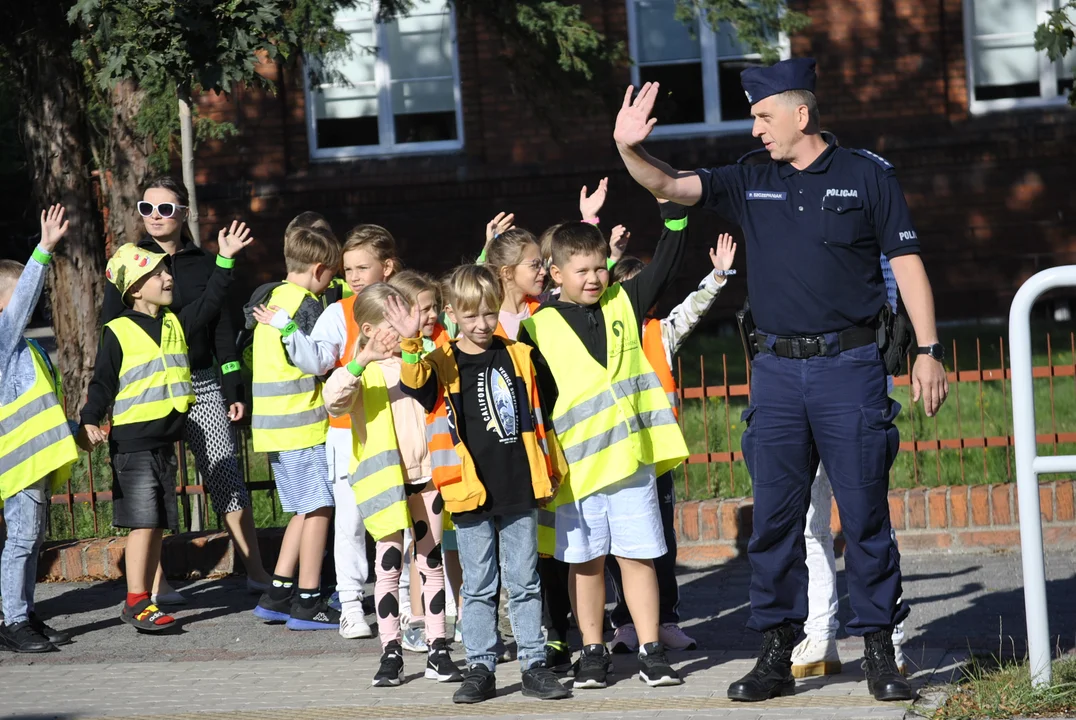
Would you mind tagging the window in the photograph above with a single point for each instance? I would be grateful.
(400, 90)
(1004, 71)
(698, 68)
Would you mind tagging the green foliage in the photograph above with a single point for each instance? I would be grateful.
(1056, 36)
(757, 23)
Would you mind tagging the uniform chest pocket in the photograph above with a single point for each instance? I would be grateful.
(843, 220)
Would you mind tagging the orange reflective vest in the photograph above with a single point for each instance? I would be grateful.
(654, 349)
(532, 306)
(348, 306)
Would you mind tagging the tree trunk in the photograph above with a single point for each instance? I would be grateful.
(127, 165)
(54, 131)
(186, 135)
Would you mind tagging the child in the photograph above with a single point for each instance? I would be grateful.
(143, 372)
(389, 431)
(618, 432)
(290, 423)
(338, 289)
(35, 443)
(503, 464)
(661, 341)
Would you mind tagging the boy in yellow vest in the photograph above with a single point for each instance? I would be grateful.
(618, 431)
(143, 374)
(290, 423)
(35, 442)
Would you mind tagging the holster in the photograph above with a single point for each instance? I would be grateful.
(746, 325)
(894, 338)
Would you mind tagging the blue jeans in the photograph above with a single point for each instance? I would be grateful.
(518, 538)
(24, 513)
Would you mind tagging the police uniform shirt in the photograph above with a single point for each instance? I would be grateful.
(814, 237)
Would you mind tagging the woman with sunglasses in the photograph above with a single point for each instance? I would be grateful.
(220, 402)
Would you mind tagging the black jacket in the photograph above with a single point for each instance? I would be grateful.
(213, 345)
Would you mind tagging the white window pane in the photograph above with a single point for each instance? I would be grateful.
(336, 103)
(1068, 65)
(1006, 66)
(420, 45)
(660, 36)
(996, 17)
(423, 96)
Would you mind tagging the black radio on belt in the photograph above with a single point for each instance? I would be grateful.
(745, 323)
(894, 338)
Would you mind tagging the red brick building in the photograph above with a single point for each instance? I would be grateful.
(430, 140)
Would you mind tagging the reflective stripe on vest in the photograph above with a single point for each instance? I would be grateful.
(155, 380)
(351, 333)
(610, 420)
(377, 475)
(35, 440)
(288, 412)
(441, 440)
(654, 349)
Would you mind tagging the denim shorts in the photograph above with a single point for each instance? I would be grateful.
(144, 489)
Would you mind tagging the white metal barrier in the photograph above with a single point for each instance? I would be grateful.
(1029, 465)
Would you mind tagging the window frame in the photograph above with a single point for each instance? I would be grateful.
(385, 115)
(1048, 75)
(710, 81)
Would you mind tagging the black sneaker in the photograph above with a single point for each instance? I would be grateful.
(654, 667)
(479, 684)
(540, 682)
(273, 611)
(558, 657)
(390, 674)
(593, 668)
(439, 665)
(22, 638)
(320, 616)
(56, 637)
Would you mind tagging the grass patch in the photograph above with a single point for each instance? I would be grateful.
(993, 688)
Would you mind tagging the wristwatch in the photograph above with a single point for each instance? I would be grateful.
(936, 351)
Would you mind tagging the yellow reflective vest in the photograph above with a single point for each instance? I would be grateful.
(154, 379)
(377, 473)
(35, 440)
(288, 412)
(611, 420)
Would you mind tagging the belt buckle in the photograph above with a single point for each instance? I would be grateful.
(813, 346)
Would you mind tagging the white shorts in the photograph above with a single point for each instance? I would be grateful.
(623, 519)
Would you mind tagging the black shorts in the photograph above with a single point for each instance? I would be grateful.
(144, 489)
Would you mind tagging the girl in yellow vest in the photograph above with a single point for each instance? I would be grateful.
(35, 443)
(392, 482)
(143, 374)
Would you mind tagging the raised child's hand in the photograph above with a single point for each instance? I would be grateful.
(381, 346)
(723, 253)
(591, 205)
(403, 319)
(618, 242)
(53, 227)
(230, 241)
(497, 226)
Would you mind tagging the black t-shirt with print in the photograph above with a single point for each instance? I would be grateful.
(490, 430)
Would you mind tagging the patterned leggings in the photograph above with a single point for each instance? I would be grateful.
(425, 505)
(211, 438)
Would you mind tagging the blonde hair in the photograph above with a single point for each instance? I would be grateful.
(370, 306)
(545, 242)
(304, 247)
(10, 271)
(312, 220)
(412, 284)
(507, 249)
(468, 286)
(375, 240)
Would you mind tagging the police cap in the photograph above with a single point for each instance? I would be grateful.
(794, 74)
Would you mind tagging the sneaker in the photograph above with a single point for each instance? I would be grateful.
(439, 665)
(654, 667)
(390, 673)
(257, 588)
(479, 684)
(593, 669)
(625, 640)
(22, 638)
(504, 653)
(558, 657)
(815, 657)
(321, 616)
(457, 631)
(273, 611)
(334, 601)
(172, 598)
(353, 625)
(56, 637)
(540, 682)
(414, 637)
(673, 638)
(146, 616)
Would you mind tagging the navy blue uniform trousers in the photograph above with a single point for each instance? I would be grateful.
(834, 407)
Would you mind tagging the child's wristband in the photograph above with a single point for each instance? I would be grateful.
(410, 357)
(355, 368)
(230, 367)
(289, 329)
(41, 256)
(610, 263)
(592, 221)
(226, 263)
(725, 273)
(676, 224)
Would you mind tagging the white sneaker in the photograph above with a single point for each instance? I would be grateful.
(353, 625)
(172, 598)
(673, 638)
(814, 657)
(413, 638)
(898, 654)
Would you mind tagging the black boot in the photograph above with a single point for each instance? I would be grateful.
(880, 666)
(772, 675)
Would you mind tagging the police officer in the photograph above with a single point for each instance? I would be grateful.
(816, 218)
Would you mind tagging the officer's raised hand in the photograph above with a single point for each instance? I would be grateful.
(633, 122)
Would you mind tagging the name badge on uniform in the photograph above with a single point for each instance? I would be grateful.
(766, 195)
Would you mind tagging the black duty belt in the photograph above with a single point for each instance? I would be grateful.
(801, 348)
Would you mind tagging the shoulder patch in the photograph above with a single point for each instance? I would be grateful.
(886, 165)
(752, 158)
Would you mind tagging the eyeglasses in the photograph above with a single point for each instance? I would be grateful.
(165, 209)
(535, 265)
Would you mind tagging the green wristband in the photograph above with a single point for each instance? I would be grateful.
(41, 256)
(355, 368)
(231, 367)
(289, 329)
(226, 263)
(610, 263)
(412, 358)
(676, 224)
